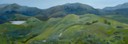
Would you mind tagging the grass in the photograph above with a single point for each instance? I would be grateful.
(84, 29)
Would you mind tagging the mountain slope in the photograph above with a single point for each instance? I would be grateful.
(120, 6)
(82, 29)
(93, 30)
(71, 8)
(119, 9)
(118, 12)
(68, 24)
(8, 12)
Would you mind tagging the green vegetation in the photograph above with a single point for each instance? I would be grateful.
(65, 24)
(119, 18)
(71, 29)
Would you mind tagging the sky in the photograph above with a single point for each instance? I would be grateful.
(44, 4)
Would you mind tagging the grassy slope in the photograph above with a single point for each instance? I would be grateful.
(119, 18)
(18, 34)
(84, 29)
(74, 29)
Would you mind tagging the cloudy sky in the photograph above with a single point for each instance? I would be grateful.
(43, 4)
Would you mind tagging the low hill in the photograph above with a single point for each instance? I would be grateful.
(85, 29)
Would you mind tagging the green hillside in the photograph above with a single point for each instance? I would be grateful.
(85, 29)
(71, 29)
(119, 18)
(71, 23)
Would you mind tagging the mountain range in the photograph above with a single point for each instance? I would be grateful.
(71, 23)
(7, 10)
(10, 12)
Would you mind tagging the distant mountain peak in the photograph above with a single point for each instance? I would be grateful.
(72, 8)
(77, 5)
(74, 4)
(14, 4)
(120, 6)
(126, 3)
(11, 5)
